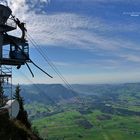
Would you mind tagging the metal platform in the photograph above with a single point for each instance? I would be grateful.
(5, 75)
(6, 28)
(13, 62)
(8, 39)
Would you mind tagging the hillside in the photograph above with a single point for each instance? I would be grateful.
(98, 89)
(13, 129)
(47, 93)
(112, 114)
(14, 122)
(99, 112)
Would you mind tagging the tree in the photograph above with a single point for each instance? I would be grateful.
(19, 98)
(3, 98)
(22, 116)
(1, 94)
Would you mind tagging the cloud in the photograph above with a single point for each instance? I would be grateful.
(91, 65)
(72, 30)
(3, 2)
(69, 29)
(131, 57)
(62, 64)
(21, 8)
(18, 7)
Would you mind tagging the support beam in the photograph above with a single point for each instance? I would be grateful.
(1, 44)
(5, 75)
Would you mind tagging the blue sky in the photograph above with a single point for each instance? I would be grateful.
(89, 41)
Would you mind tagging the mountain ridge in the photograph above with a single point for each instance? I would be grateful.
(47, 93)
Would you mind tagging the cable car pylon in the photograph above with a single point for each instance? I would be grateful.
(14, 51)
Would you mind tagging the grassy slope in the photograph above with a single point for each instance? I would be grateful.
(123, 127)
(64, 125)
(15, 130)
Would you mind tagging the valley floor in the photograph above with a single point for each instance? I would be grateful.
(113, 113)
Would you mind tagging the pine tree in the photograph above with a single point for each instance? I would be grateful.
(19, 98)
(22, 116)
(1, 94)
(3, 98)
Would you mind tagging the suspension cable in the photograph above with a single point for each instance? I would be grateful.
(47, 59)
(37, 87)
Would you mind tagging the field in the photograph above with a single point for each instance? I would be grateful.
(72, 125)
(107, 116)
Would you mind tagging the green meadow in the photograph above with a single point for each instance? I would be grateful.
(113, 113)
(65, 126)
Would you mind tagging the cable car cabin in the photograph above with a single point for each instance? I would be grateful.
(20, 53)
(17, 55)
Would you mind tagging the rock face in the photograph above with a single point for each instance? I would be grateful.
(14, 129)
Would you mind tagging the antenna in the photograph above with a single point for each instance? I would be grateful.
(13, 108)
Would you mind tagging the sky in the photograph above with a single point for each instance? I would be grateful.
(89, 41)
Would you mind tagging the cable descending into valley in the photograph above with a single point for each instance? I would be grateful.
(47, 59)
(38, 88)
